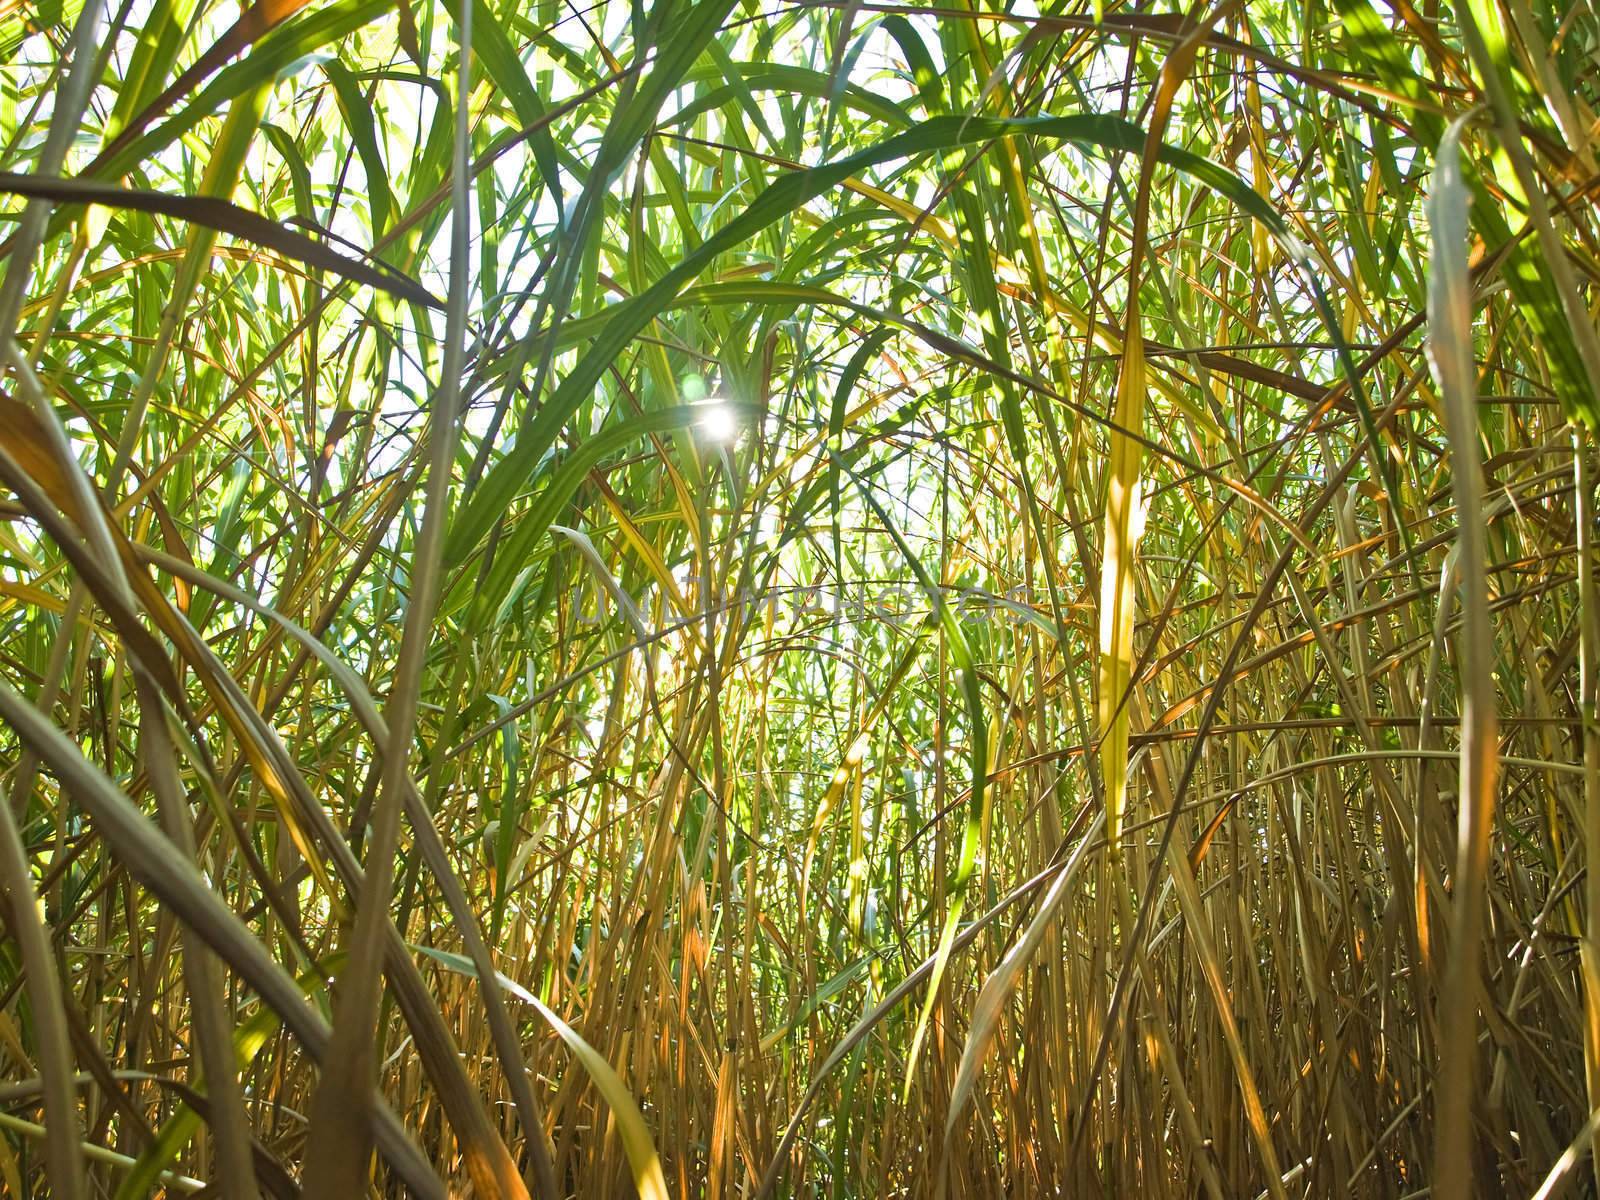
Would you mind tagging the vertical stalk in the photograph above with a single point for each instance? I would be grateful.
(339, 1149)
(1588, 684)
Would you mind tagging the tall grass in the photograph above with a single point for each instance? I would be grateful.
(841, 600)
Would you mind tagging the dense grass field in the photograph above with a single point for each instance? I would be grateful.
(837, 599)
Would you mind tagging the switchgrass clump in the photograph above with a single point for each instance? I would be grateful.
(693, 599)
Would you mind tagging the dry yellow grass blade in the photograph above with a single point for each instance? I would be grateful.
(1124, 522)
(1124, 509)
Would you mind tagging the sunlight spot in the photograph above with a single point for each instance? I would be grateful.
(718, 422)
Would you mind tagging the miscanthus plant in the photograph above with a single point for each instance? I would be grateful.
(769, 600)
